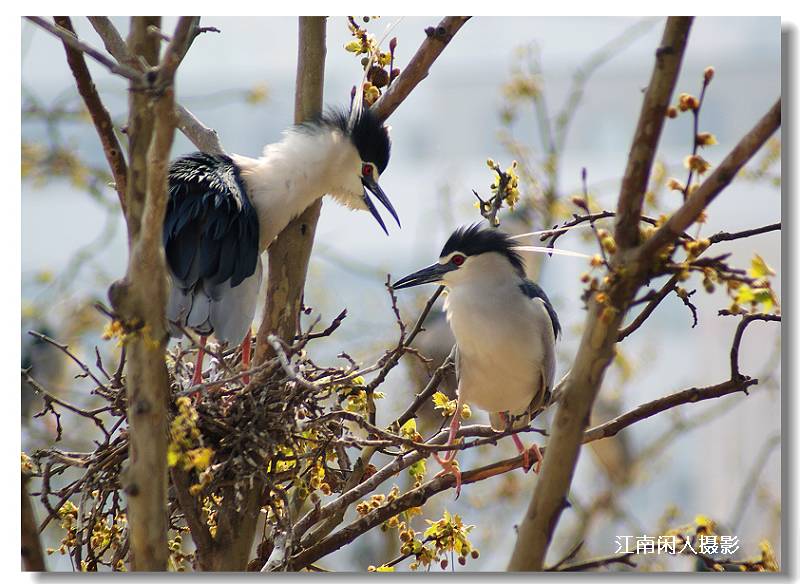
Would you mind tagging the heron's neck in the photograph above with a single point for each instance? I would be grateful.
(291, 175)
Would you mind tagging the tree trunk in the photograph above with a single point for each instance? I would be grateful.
(288, 263)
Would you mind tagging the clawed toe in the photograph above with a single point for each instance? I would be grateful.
(450, 466)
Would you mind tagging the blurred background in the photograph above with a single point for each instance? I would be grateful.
(488, 95)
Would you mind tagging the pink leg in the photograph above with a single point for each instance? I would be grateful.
(449, 466)
(246, 344)
(537, 454)
(197, 378)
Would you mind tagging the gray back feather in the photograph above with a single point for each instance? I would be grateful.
(224, 310)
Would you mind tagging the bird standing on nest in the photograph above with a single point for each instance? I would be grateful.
(505, 329)
(224, 211)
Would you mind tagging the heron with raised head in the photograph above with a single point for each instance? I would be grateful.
(224, 211)
(505, 329)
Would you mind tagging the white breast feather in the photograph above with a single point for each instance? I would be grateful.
(506, 344)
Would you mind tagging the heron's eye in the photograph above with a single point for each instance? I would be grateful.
(366, 170)
(458, 259)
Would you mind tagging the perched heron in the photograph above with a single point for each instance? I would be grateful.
(505, 329)
(223, 211)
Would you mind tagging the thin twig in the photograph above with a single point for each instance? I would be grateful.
(69, 38)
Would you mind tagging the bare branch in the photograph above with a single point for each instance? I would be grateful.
(69, 38)
(100, 116)
(737, 338)
(644, 411)
(623, 558)
(419, 65)
(32, 556)
(725, 236)
(185, 33)
(640, 319)
(204, 138)
(648, 131)
(715, 183)
(113, 41)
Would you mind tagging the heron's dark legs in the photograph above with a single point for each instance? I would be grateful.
(246, 344)
(449, 465)
(525, 452)
(197, 378)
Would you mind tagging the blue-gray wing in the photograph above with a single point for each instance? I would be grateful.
(536, 294)
(211, 237)
(533, 290)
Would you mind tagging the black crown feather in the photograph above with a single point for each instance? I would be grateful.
(472, 240)
(368, 134)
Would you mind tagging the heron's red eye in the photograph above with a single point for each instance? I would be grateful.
(458, 259)
(366, 170)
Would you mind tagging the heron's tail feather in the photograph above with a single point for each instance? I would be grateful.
(224, 311)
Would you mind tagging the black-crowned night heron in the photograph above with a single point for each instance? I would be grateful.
(223, 211)
(505, 329)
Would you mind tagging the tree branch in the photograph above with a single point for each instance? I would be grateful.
(605, 314)
(687, 396)
(100, 116)
(204, 138)
(715, 183)
(640, 319)
(288, 263)
(648, 131)
(420, 495)
(725, 236)
(140, 299)
(419, 65)
(69, 38)
(32, 556)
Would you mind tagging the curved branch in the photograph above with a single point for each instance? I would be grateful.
(204, 138)
(648, 131)
(98, 112)
(640, 319)
(418, 496)
(715, 183)
(32, 556)
(69, 38)
(419, 65)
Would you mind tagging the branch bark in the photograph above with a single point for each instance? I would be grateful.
(648, 131)
(716, 182)
(628, 271)
(203, 137)
(69, 38)
(139, 299)
(32, 556)
(604, 318)
(419, 65)
(100, 116)
(288, 263)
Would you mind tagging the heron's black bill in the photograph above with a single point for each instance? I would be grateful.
(374, 188)
(427, 275)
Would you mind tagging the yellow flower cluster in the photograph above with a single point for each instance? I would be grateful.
(448, 406)
(185, 447)
(449, 534)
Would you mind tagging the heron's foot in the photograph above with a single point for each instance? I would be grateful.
(449, 466)
(526, 455)
(536, 463)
